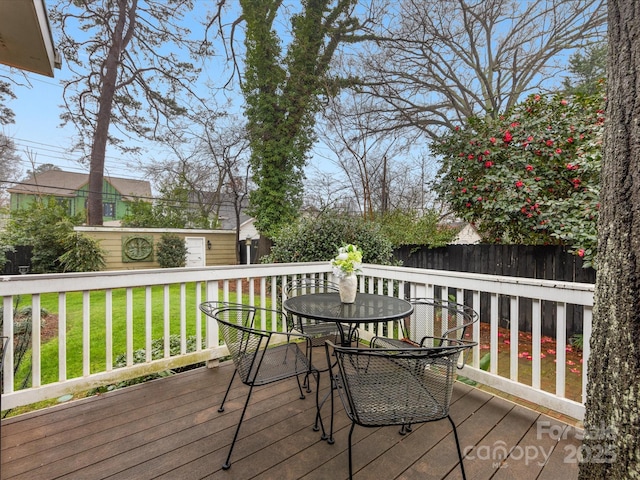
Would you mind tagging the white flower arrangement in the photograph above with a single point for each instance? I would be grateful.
(348, 261)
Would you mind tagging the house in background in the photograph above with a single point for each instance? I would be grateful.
(467, 234)
(71, 190)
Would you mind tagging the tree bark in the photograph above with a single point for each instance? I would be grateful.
(109, 74)
(611, 447)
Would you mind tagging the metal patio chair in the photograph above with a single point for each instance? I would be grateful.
(260, 356)
(431, 318)
(383, 387)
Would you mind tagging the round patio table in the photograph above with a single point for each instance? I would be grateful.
(367, 308)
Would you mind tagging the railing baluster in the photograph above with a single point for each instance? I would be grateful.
(493, 349)
(561, 346)
(129, 327)
(62, 336)
(148, 322)
(476, 329)
(166, 328)
(514, 338)
(108, 294)
(536, 342)
(183, 318)
(198, 316)
(36, 358)
(7, 331)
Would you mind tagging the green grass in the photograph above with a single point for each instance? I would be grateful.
(98, 327)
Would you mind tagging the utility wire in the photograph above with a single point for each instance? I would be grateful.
(72, 190)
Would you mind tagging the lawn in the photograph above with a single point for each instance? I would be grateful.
(98, 326)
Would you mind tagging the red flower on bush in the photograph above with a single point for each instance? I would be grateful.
(507, 137)
(488, 164)
(529, 168)
(519, 184)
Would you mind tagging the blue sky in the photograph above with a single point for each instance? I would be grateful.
(37, 126)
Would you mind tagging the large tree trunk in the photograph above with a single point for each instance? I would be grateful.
(109, 74)
(611, 448)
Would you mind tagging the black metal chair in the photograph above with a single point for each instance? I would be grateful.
(431, 318)
(398, 386)
(260, 356)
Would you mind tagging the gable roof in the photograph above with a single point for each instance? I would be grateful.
(65, 184)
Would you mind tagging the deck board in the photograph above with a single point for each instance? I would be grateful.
(170, 429)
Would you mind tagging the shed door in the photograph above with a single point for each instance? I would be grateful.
(195, 251)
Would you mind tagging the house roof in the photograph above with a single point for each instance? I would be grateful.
(65, 184)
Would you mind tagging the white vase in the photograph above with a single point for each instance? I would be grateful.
(348, 286)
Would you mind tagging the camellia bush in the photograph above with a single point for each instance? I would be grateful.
(532, 176)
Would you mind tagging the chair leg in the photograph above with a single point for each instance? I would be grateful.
(333, 385)
(455, 434)
(353, 424)
(405, 428)
(221, 409)
(302, 397)
(306, 385)
(227, 464)
(319, 424)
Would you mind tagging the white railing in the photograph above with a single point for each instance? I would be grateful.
(151, 291)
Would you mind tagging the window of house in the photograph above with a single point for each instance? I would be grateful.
(109, 209)
(64, 203)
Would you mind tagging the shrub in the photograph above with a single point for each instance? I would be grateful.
(83, 254)
(48, 228)
(171, 251)
(403, 227)
(318, 239)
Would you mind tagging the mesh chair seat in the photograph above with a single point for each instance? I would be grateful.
(382, 387)
(274, 364)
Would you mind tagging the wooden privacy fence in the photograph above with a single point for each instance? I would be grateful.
(529, 261)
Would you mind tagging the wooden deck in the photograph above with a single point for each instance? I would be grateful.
(171, 429)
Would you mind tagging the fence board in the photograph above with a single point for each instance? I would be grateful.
(549, 262)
